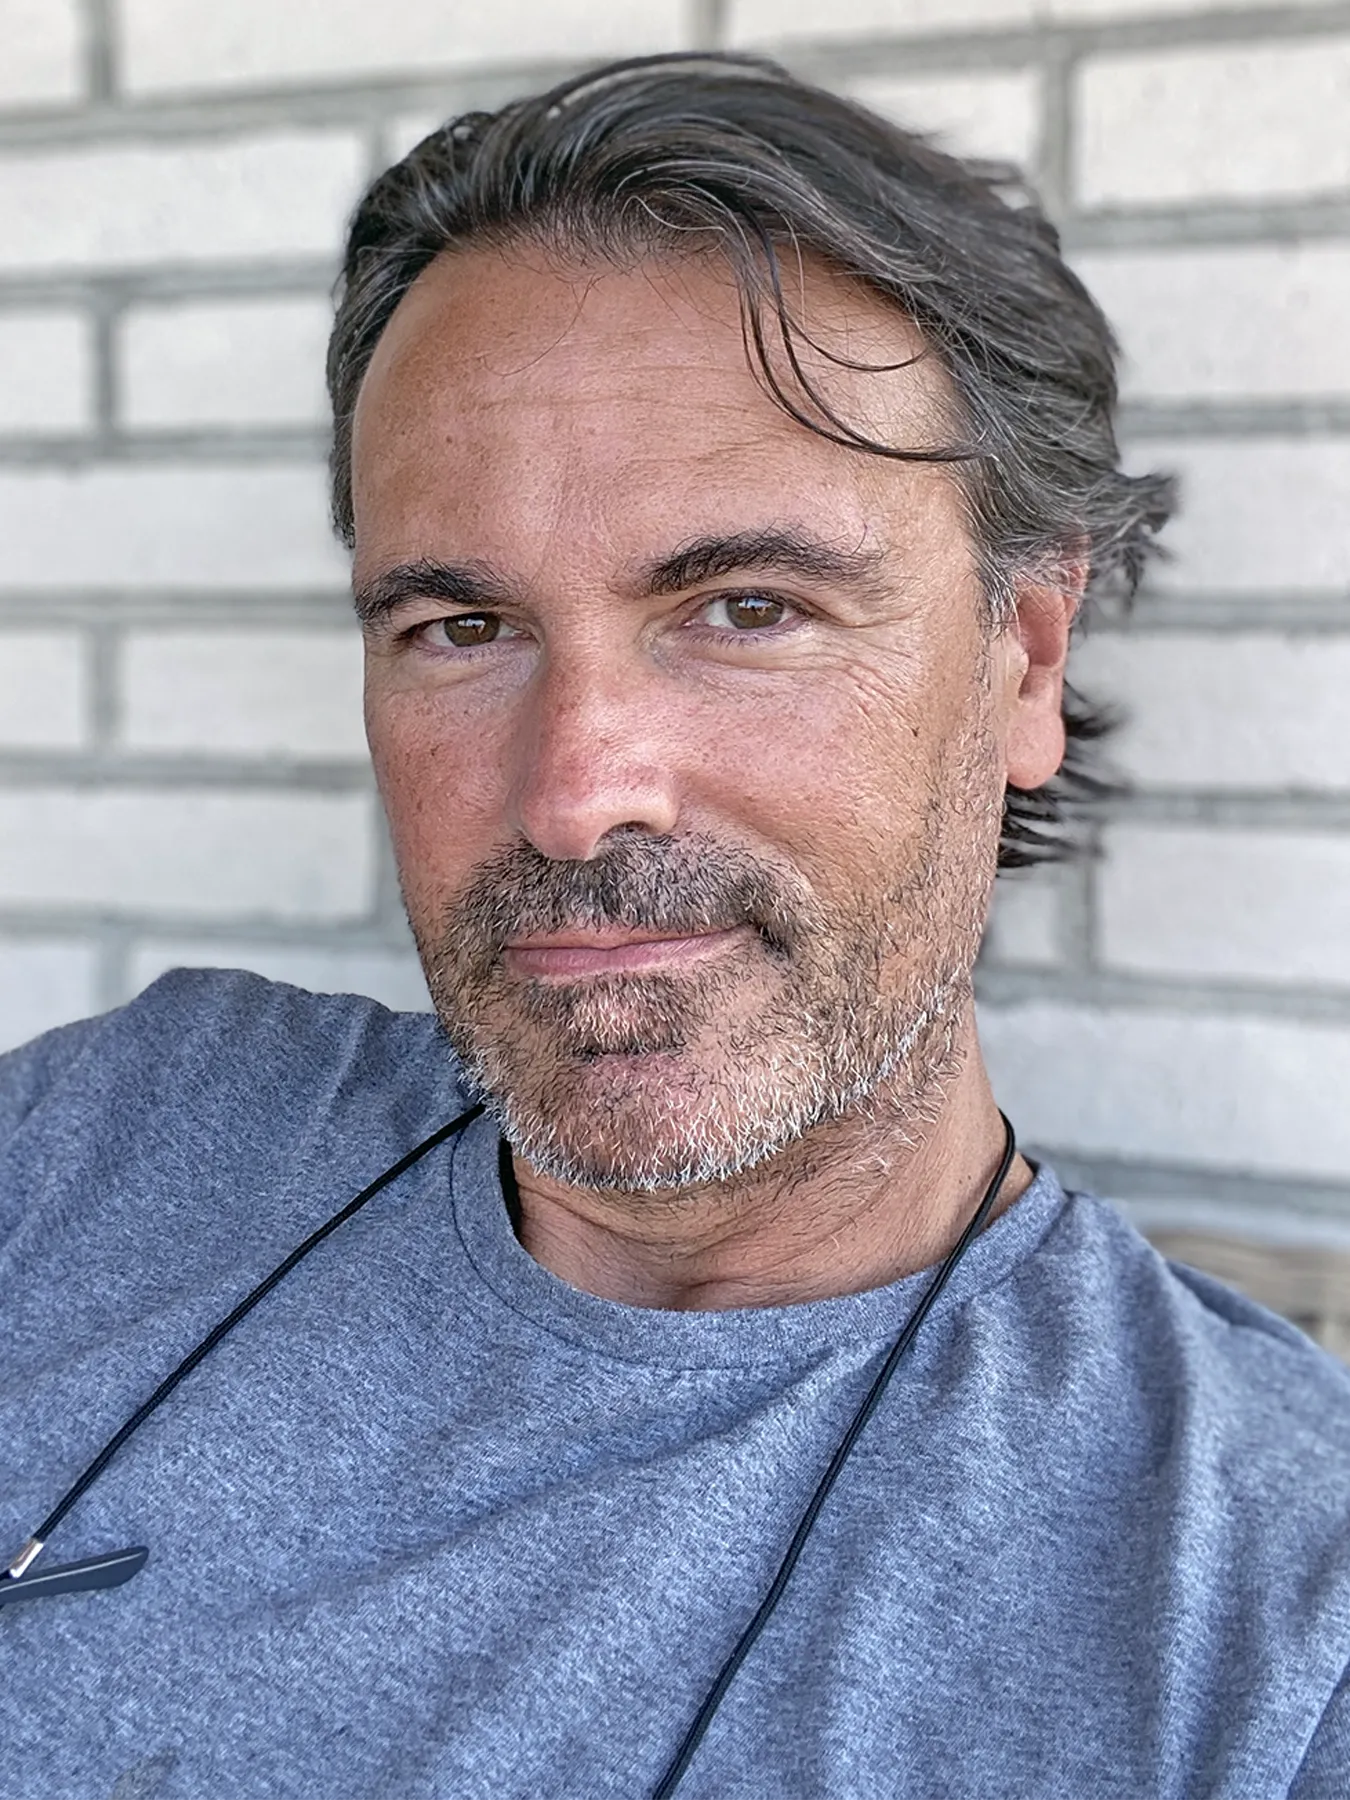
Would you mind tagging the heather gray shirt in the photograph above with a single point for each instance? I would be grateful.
(433, 1523)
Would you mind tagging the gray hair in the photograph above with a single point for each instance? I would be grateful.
(660, 153)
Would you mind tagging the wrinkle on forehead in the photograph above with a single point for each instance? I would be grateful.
(523, 410)
(547, 310)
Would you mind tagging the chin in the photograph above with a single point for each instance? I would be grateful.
(647, 1122)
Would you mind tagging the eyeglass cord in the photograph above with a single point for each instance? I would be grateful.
(128, 1562)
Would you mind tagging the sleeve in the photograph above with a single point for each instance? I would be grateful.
(1324, 1773)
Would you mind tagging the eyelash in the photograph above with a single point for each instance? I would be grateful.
(723, 634)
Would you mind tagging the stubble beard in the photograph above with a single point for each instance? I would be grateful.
(656, 1083)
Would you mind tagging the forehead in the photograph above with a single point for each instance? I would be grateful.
(513, 390)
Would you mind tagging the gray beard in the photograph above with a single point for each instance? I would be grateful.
(686, 1128)
(832, 1041)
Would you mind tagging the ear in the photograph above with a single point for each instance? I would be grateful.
(1036, 649)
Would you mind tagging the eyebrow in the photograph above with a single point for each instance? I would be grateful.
(785, 548)
(773, 549)
(468, 584)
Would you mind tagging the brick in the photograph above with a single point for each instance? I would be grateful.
(46, 372)
(179, 44)
(43, 690)
(1248, 711)
(43, 985)
(200, 854)
(289, 693)
(1214, 123)
(393, 977)
(1112, 9)
(260, 526)
(1240, 1092)
(1222, 323)
(43, 51)
(761, 21)
(283, 193)
(973, 115)
(242, 362)
(1023, 928)
(1248, 905)
(1258, 515)
(769, 20)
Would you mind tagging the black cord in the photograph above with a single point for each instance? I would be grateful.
(704, 1717)
(694, 1736)
(227, 1324)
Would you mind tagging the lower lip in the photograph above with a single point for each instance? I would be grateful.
(580, 959)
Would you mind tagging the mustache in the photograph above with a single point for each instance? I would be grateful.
(639, 882)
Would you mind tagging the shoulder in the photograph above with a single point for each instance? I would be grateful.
(191, 1020)
(219, 1064)
(1250, 1392)
(30, 1073)
(1197, 1448)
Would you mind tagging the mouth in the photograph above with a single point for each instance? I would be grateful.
(573, 953)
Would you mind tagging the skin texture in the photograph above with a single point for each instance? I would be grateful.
(783, 755)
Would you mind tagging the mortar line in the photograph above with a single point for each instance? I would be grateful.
(100, 49)
(1055, 151)
(112, 965)
(707, 24)
(103, 647)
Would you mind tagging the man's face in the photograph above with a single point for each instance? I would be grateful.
(646, 658)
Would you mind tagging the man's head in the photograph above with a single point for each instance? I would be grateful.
(723, 468)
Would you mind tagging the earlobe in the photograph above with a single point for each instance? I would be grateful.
(1045, 614)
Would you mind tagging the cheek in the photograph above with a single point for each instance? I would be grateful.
(914, 783)
(878, 726)
(841, 777)
(438, 782)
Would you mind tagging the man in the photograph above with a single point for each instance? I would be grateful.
(723, 470)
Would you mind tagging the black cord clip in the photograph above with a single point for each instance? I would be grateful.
(74, 1578)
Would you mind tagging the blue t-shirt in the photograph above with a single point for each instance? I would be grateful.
(432, 1522)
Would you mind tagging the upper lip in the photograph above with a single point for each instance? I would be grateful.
(602, 940)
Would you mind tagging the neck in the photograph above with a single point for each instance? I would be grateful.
(859, 1203)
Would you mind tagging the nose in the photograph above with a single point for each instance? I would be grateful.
(595, 751)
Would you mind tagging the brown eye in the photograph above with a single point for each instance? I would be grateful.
(465, 631)
(745, 612)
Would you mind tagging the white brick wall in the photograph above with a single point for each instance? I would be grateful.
(993, 115)
(1225, 323)
(1234, 1092)
(1230, 122)
(119, 526)
(1267, 514)
(43, 690)
(201, 854)
(1248, 905)
(278, 693)
(1242, 711)
(1024, 925)
(167, 44)
(760, 21)
(182, 777)
(43, 985)
(46, 372)
(42, 52)
(771, 21)
(278, 193)
(239, 362)
(1106, 10)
